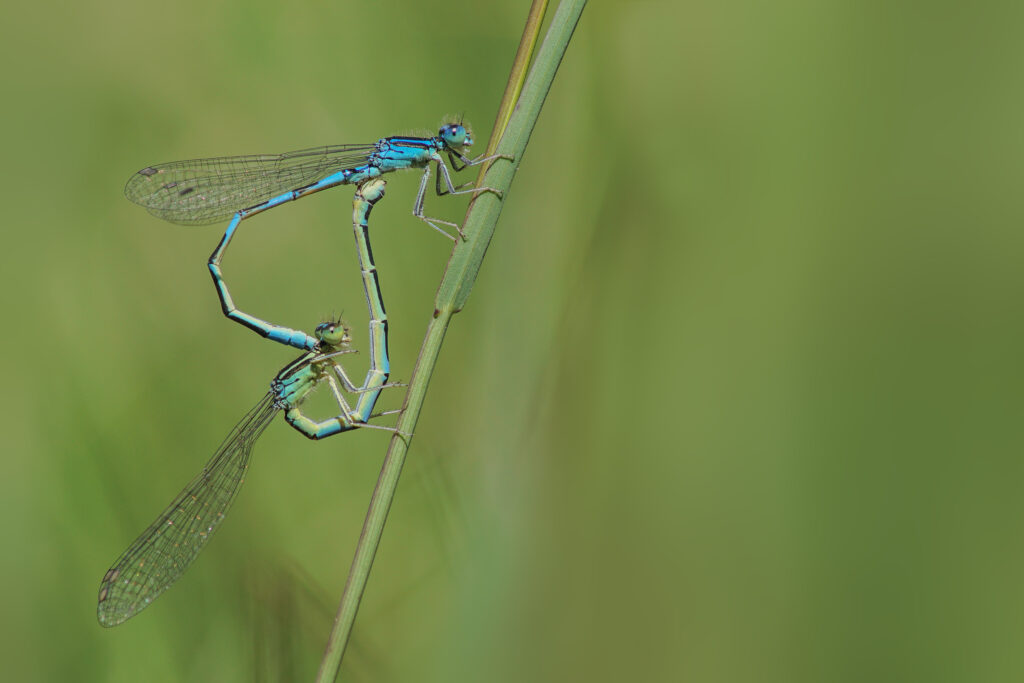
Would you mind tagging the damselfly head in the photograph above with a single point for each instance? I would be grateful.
(455, 135)
(333, 333)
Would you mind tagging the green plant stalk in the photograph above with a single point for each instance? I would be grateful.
(482, 216)
(517, 76)
(461, 273)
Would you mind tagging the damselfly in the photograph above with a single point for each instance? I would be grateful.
(203, 191)
(161, 554)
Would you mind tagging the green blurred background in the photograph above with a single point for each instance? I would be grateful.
(737, 396)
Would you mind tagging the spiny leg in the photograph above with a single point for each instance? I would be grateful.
(417, 209)
(346, 420)
(351, 388)
(466, 162)
(442, 172)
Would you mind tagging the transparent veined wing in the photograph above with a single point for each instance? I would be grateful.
(162, 553)
(202, 191)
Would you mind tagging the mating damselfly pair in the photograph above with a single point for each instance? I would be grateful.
(204, 191)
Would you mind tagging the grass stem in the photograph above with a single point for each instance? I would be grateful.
(456, 284)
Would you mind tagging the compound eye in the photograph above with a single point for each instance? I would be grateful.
(330, 333)
(333, 333)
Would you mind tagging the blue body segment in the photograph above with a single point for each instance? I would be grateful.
(394, 154)
(278, 333)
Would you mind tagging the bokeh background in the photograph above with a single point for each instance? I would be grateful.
(737, 396)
